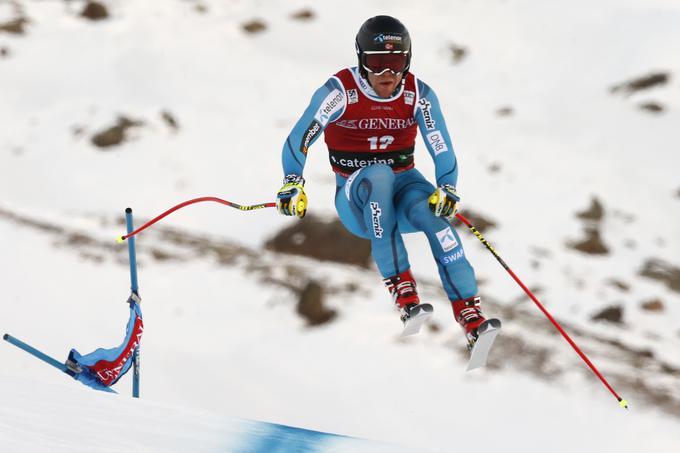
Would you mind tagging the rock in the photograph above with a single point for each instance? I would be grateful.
(254, 26)
(115, 135)
(170, 120)
(303, 15)
(655, 305)
(662, 271)
(642, 83)
(458, 53)
(161, 255)
(613, 314)
(494, 167)
(652, 107)
(595, 212)
(480, 222)
(434, 327)
(322, 240)
(619, 284)
(505, 111)
(95, 11)
(592, 244)
(310, 305)
(15, 27)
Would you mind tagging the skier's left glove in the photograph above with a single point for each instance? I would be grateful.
(444, 202)
(291, 199)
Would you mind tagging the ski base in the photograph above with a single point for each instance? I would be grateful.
(487, 331)
(418, 317)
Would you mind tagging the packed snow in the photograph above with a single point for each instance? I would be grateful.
(538, 133)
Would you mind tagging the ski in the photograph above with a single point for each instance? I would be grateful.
(418, 316)
(487, 331)
(70, 368)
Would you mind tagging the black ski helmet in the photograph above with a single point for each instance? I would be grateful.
(383, 33)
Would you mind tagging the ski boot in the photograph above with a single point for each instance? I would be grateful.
(402, 287)
(470, 317)
(479, 331)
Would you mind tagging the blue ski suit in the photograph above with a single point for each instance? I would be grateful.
(380, 195)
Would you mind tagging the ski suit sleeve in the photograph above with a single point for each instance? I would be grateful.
(435, 135)
(327, 105)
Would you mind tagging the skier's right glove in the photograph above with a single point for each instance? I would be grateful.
(444, 202)
(291, 198)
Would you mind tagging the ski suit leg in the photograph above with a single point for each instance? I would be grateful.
(413, 213)
(365, 206)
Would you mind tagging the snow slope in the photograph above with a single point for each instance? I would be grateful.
(95, 422)
(221, 343)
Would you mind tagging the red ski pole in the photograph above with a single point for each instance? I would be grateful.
(189, 202)
(623, 403)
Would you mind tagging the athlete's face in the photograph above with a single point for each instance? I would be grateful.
(385, 83)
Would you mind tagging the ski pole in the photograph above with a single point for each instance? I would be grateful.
(120, 239)
(623, 403)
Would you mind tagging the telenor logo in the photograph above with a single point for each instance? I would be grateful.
(381, 37)
(447, 239)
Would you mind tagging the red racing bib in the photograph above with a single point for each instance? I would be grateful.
(373, 131)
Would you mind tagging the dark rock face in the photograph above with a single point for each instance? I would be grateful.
(641, 83)
(592, 217)
(612, 314)
(322, 240)
(664, 272)
(254, 26)
(479, 221)
(458, 53)
(652, 107)
(170, 120)
(595, 212)
(303, 15)
(311, 305)
(618, 284)
(15, 27)
(95, 11)
(654, 305)
(591, 244)
(115, 135)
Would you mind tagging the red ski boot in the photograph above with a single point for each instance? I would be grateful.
(469, 315)
(405, 297)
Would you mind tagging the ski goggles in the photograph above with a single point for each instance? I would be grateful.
(378, 62)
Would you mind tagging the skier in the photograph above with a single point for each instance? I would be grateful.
(369, 115)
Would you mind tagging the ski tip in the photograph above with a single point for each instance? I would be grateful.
(495, 322)
(623, 403)
(490, 324)
(120, 239)
(128, 210)
(5, 336)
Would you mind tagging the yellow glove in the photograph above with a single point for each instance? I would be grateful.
(291, 198)
(444, 202)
